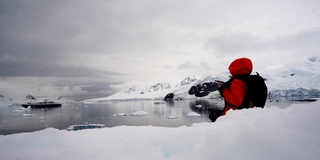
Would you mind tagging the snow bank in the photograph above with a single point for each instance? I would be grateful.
(270, 133)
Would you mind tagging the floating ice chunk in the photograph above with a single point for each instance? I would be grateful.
(28, 115)
(139, 113)
(194, 114)
(20, 110)
(119, 114)
(172, 117)
(41, 120)
(85, 126)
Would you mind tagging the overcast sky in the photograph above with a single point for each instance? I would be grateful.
(83, 48)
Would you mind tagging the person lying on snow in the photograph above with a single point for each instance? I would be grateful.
(242, 90)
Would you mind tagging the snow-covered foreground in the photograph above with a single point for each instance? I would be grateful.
(270, 133)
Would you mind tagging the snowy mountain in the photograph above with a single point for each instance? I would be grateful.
(304, 74)
(141, 92)
(188, 80)
(299, 79)
(294, 80)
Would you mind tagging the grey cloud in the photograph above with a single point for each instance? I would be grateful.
(195, 66)
(46, 67)
(186, 65)
(94, 91)
(231, 43)
(303, 41)
(60, 27)
(44, 27)
(244, 42)
(84, 43)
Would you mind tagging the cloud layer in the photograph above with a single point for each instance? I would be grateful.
(93, 45)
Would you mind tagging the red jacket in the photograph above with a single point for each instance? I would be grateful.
(235, 94)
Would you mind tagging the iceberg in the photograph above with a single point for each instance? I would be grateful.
(119, 114)
(193, 114)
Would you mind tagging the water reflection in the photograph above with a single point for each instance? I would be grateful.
(205, 106)
(16, 119)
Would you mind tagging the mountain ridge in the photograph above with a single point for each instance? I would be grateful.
(298, 78)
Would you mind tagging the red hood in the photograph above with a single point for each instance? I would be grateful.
(241, 66)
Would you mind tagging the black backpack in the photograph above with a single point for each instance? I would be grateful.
(257, 91)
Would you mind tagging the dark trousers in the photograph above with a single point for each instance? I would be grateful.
(215, 114)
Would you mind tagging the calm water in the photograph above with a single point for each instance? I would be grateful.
(16, 119)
